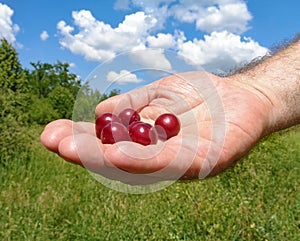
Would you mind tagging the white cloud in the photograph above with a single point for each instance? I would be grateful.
(44, 35)
(220, 51)
(98, 41)
(208, 16)
(72, 65)
(161, 41)
(8, 29)
(217, 15)
(158, 9)
(221, 48)
(151, 58)
(124, 77)
(233, 17)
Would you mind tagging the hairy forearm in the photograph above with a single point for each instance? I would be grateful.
(278, 79)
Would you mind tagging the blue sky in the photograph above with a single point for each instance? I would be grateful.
(215, 35)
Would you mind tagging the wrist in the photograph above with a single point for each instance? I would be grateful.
(267, 105)
(277, 117)
(277, 81)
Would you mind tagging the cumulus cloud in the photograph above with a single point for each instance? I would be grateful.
(209, 16)
(161, 41)
(44, 35)
(230, 17)
(151, 58)
(96, 40)
(220, 51)
(124, 77)
(8, 29)
(159, 9)
(221, 48)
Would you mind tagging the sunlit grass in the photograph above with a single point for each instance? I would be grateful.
(45, 198)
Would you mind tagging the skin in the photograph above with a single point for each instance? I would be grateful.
(222, 118)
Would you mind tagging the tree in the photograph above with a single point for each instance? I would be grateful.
(56, 87)
(12, 75)
(45, 77)
(112, 93)
(45, 93)
(14, 106)
(62, 101)
(15, 96)
(86, 102)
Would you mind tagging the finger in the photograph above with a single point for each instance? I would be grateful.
(84, 127)
(81, 147)
(135, 99)
(169, 160)
(57, 130)
(55, 123)
(87, 151)
(53, 134)
(151, 101)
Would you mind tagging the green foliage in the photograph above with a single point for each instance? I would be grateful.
(62, 101)
(86, 102)
(14, 103)
(38, 96)
(16, 140)
(45, 77)
(12, 75)
(41, 111)
(112, 93)
(45, 93)
(13, 83)
(54, 86)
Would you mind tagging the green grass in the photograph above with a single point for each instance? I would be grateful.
(45, 198)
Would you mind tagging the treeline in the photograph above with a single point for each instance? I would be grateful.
(36, 97)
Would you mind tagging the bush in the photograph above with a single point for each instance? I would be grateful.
(15, 141)
(62, 101)
(41, 111)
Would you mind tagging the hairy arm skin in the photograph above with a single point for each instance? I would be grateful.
(278, 78)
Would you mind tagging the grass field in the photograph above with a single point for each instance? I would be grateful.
(45, 198)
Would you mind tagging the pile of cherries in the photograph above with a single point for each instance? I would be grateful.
(127, 126)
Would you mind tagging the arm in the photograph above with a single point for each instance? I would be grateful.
(278, 78)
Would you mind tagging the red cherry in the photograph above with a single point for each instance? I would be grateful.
(133, 124)
(114, 132)
(127, 116)
(143, 133)
(103, 120)
(167, 125)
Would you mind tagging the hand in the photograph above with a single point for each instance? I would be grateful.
(221, 120)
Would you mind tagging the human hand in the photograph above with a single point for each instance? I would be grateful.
(221, 120)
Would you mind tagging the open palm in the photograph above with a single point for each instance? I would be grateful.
(221, 120)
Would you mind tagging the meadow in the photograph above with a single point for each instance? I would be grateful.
(43, 197)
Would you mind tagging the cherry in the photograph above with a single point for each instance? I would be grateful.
(167, 125)
(114, 132)
(133, 124)
(127, 126)
(143, 133)
(103, 120)
(127, 116)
